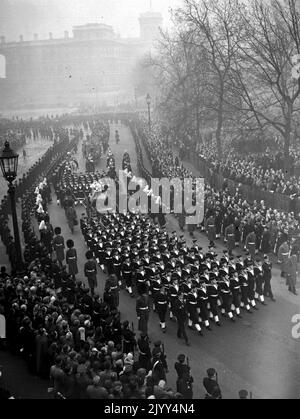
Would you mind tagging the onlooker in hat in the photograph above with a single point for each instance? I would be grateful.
(211, 385)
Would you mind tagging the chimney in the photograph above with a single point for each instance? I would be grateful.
(2, 38)
(50, 35)
(21, 38)
(66, 35)
(35, 37)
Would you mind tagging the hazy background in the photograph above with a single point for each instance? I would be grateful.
(27, 17)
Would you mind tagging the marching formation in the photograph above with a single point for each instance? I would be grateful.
(183, 281)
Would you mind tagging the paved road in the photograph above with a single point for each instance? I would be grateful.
(257, 353)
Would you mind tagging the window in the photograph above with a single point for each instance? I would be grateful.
(2, 67)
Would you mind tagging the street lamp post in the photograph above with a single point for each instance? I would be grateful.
(148, 100)
(9, 167)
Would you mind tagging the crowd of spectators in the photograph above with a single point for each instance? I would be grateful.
(263, 169)
(270, 224)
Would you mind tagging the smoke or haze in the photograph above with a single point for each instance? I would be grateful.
(27, 17)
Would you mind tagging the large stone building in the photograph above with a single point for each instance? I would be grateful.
(93, 65)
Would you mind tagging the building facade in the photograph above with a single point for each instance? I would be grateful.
(93, 65)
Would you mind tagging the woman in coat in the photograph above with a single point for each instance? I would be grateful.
(71, 259)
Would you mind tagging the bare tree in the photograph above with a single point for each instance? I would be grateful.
(216, 34)
(263, 70)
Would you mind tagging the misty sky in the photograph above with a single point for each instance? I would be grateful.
(27, 17)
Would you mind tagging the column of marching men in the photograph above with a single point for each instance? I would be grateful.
(148, 261)
(186, 282)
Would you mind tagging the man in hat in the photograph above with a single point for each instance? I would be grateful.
(143, 310)
(129, 341)
(267, 278)
(230, 238)
(283, 256)
(192, 308)
(213, 296)
(211, 385)
(90, 271)
(144, 352)
(127, 274)
(161, 305)
(250, 244)
(181, 315)
(243, 394)
(184, 383)
(211, 230)
(158, 367)
(111, 292)
(291, 273)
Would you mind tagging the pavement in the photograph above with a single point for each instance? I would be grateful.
(257, 353)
